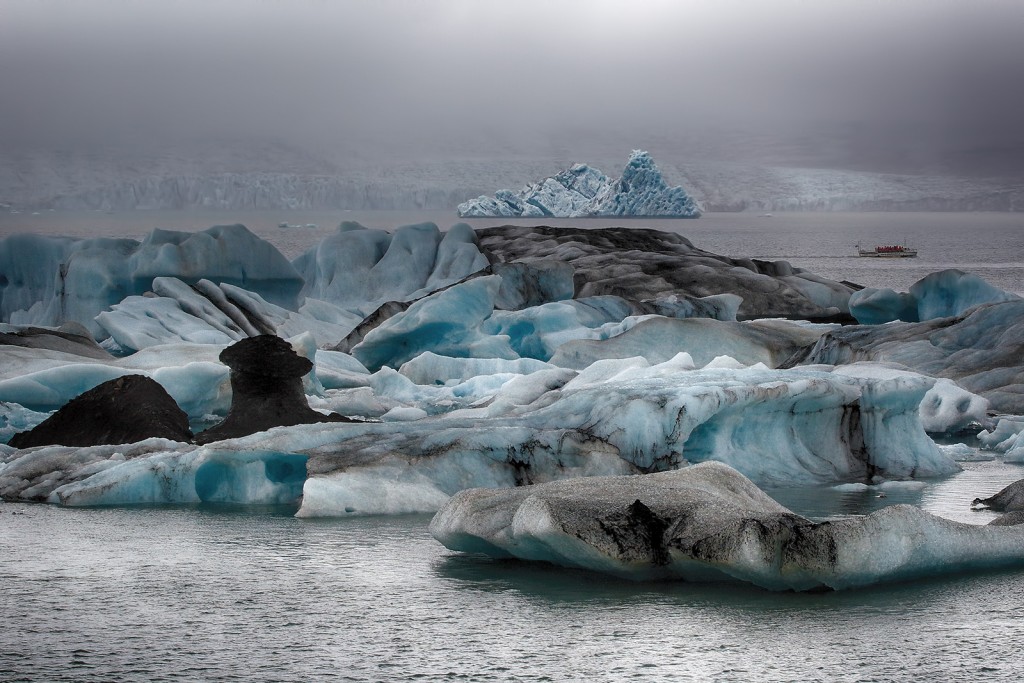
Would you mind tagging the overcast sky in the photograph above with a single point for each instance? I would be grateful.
(931, 77)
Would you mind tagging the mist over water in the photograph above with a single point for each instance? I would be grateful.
(911, 86)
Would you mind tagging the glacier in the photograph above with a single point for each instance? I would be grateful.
(710, 523)
(284, 178)
(581, 192)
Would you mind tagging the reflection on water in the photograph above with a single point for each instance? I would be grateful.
(949, 497)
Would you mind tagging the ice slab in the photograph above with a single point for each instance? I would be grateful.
(709, 523)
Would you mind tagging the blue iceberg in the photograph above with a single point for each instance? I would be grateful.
(585, 192)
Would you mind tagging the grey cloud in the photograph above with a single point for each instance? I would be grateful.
(919, 80)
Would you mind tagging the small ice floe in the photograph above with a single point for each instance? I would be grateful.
(961, 452)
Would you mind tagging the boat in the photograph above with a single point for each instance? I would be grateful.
(888, 251)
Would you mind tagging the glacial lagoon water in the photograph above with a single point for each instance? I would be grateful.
(223, 593)
(231, 594)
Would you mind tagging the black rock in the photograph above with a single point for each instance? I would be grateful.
(124, 410)
(1010, 499)
(266, 389)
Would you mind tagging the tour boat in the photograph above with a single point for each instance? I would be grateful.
(888, 251)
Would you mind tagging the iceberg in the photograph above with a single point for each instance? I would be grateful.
(710, 523)
(979, 349)
(208, 313)
(1007, 437)
(643, 265)
(939, 295)
(358, 269)
(52, 280)
(619, 416)
(584, 192)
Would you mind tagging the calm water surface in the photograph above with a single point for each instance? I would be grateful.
(221, 593)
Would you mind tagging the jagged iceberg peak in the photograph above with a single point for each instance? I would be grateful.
(581, 192)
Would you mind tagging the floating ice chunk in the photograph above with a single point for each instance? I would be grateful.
(1007, 437)
(15, 418)
(852, 487)
(902, 485)
(138, 322)
(446, 323)
(458, 256)
(948, 408)
(945, 408)
(980, 350)
(206, 313)
(359, 269)
(60, 279)
(51, 280)
(644, 265)
(799, 426)
(709, 523)
(727, 362)
(938, 295)
(404, 414)
(337, 370)
(963, 453)
(952, 292)
(430, 368)
(34, 474)
(872, 306)
(361, 493)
